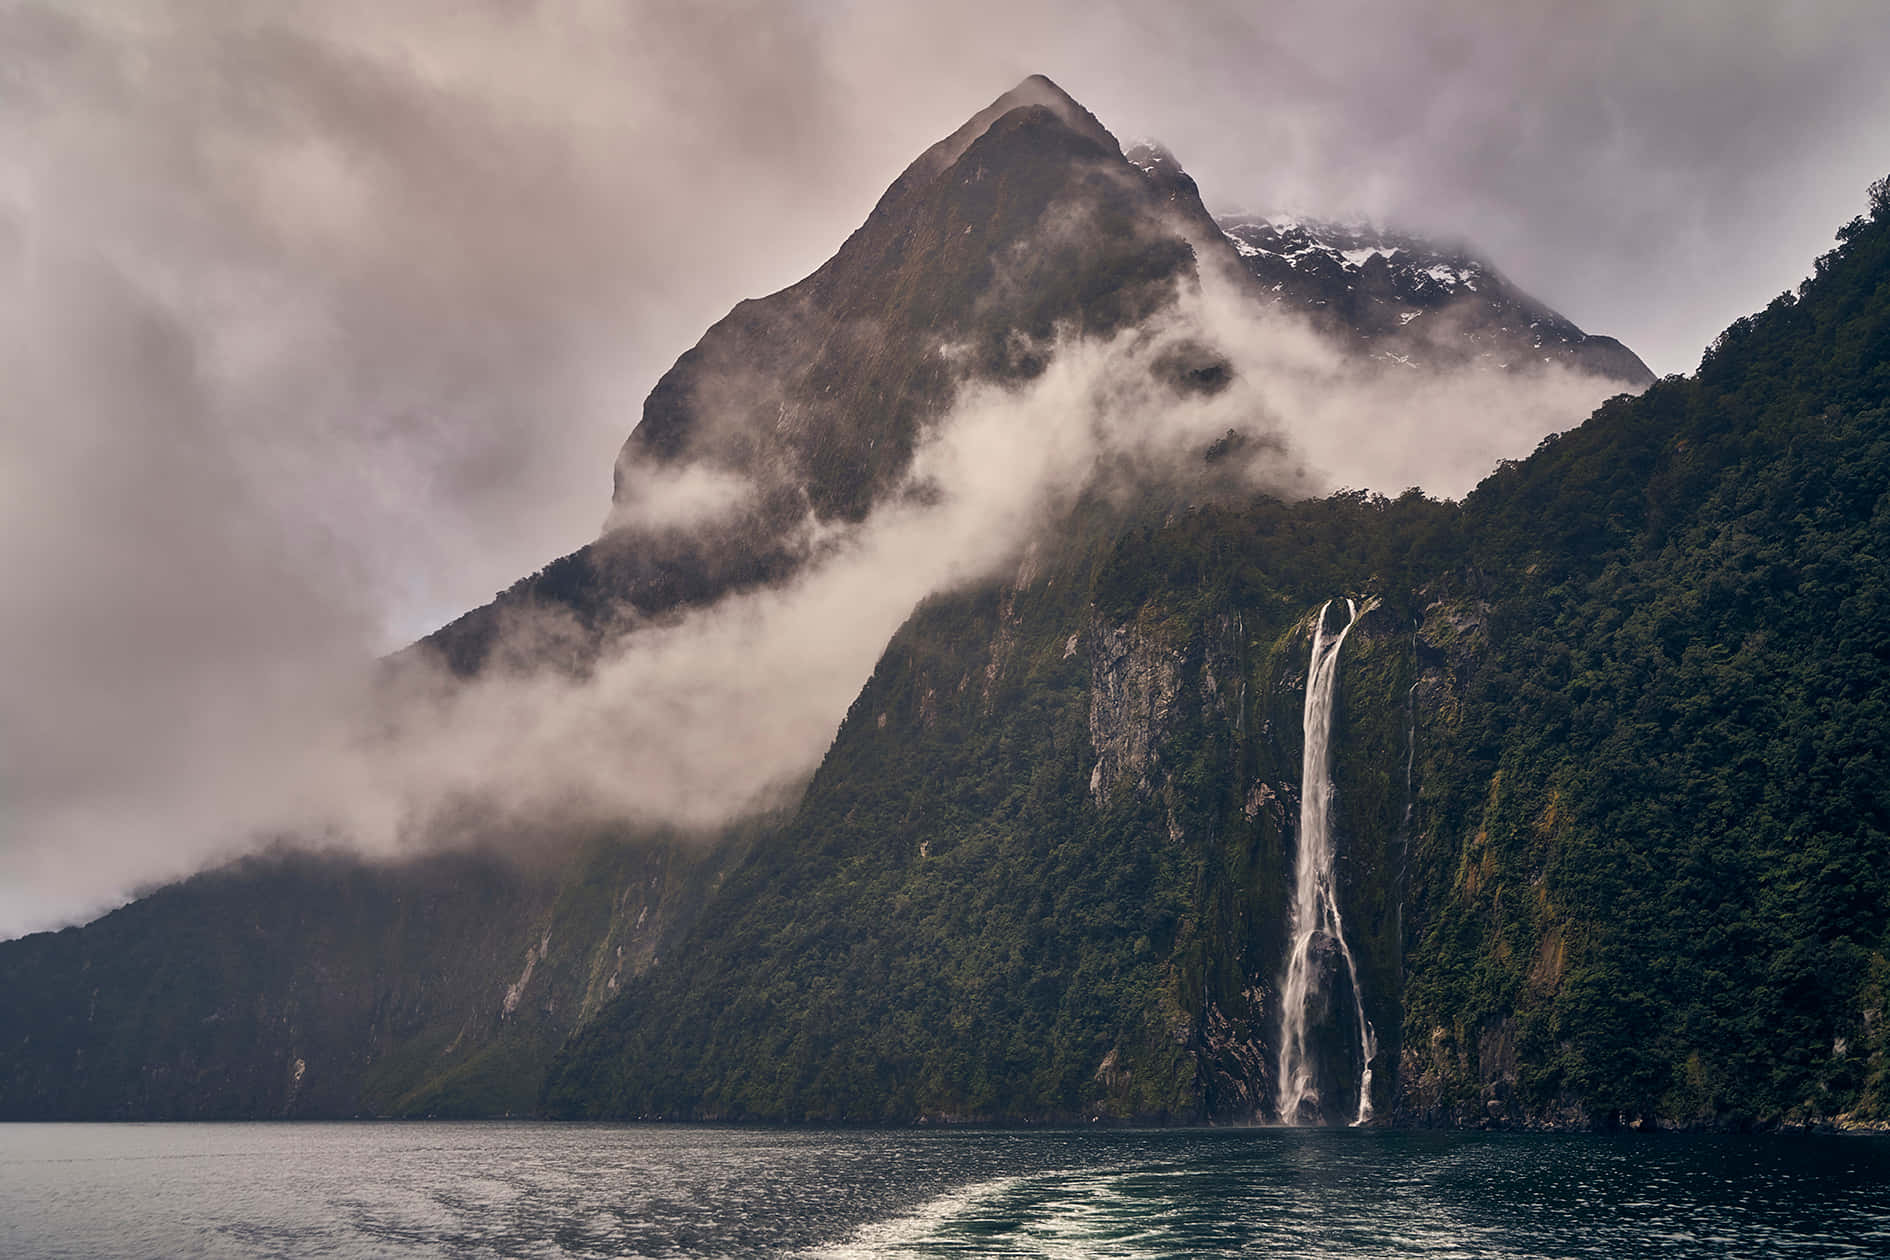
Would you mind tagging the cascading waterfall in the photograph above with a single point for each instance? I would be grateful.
(1315, 911)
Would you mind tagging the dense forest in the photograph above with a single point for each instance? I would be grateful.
(1656, 875)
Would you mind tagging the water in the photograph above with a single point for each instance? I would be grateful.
(1315, 919)
(517, 1189)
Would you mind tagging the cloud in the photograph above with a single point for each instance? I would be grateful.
(694, 722)
(1378, 424)
(323, 322)
(1653, 171)
(690, 496)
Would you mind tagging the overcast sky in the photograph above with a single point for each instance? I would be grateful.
(321, 322)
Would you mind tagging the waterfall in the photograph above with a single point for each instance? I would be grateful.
(1315, 912)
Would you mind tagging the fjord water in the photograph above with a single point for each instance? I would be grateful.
(423, 1189)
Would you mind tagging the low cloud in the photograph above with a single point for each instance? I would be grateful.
(725, 710)
(1384, 425)
(655, 497)
(728, 709)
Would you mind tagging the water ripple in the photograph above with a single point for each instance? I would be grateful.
(500, 1190)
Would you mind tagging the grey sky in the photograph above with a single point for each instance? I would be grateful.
(324, 321)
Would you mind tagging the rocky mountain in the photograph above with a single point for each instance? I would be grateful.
(1608, 812)
(1407, 301)
(802, 409)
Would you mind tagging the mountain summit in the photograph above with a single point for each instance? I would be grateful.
(1025, 219)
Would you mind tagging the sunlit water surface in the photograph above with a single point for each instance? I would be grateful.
(549, 1190)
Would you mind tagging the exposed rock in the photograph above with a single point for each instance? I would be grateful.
(1411, 303)
(1134, 680)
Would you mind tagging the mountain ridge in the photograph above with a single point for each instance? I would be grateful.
(753, 403)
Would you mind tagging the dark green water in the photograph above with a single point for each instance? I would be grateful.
(544, 1190)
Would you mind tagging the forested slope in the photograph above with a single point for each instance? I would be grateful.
(320, 985)
(1655, 874)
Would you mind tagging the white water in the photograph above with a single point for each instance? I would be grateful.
(1315, 911)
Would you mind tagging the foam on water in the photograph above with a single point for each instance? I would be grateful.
(493, 1190)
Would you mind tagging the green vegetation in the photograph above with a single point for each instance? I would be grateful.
(320, 985)
(1657, 851)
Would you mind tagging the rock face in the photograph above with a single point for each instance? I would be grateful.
(1133, 685)
(1402, 300)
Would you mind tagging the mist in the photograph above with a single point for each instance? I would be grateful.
(693, 723)
(322, 325)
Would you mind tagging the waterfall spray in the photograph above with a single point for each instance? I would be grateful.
(1315, 911)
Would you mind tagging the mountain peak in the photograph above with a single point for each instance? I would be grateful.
(1025, 224)
(1035, 91)
(1038, 89)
